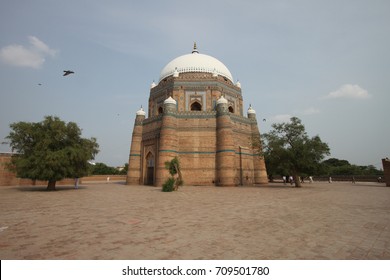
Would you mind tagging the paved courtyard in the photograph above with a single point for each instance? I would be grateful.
(115, 221)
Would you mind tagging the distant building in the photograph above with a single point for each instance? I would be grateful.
(196, 114)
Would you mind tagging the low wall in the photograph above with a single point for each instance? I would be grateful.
(8, 178)
(103, 178)
(345, 178)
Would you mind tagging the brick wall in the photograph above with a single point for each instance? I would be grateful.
(386, 170)
(8, 178)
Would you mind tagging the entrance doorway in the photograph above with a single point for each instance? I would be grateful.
(149, 169)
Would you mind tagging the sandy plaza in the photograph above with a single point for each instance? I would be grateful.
(103, 221)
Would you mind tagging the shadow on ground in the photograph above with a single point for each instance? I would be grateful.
(44, 188)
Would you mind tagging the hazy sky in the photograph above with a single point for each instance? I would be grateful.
(326, 62)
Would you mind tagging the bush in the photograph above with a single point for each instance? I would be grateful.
(168, 185)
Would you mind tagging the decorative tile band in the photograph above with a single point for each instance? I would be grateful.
(206, 153)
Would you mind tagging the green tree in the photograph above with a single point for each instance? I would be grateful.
(50, 150)
(102, 169)
(124, 170)
(288, 148)
(334, 166)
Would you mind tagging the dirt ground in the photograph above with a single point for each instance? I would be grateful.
(115, 221)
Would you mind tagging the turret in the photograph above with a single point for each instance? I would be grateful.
(260, 171)
(225, 154)
(134, 171)
(167, 148)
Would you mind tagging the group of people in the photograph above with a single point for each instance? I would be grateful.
(290, 179)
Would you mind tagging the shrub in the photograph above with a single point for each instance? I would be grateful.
(169, 184)
(172, 184)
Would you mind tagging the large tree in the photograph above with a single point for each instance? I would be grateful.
(50, 150)
(288, 148)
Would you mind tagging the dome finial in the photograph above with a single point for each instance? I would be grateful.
(195, 50)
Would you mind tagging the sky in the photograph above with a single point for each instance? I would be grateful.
(325, 62)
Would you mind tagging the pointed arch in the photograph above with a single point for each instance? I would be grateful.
(196, 106)
(150, 161)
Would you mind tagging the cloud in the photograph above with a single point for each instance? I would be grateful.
(281, 118)
(349, 91)
(311, 111)
(32, 56)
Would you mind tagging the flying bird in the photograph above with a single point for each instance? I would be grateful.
(67, 72)
(39, 84)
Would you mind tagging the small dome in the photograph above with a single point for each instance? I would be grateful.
(250, 110)
(196, 62)
(153, 85)
(238, 84)
(141, 112)
(222, 100)
(170, 100)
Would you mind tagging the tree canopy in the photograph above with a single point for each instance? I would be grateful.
(50, 150)
(288, 150)
(334, 166)
(100, 168)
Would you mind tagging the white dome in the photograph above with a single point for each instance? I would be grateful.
(222, 100)
(170, 100)
(251, 110)
(196, 62)
(141, 112)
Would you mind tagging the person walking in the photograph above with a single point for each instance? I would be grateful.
(76, 183)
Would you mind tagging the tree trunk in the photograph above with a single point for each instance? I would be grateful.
(297, 180)
(51, 186)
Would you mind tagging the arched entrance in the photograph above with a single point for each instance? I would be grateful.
(149, 169)
(196, 106)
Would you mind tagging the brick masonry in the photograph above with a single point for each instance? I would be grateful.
(213, 148)
(8, 178)
(386, 170)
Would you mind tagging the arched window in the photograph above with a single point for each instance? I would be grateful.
(160, 110)
(150, 160)
(231, 110)
(196, 106)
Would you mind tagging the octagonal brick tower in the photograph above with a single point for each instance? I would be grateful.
(196, 113)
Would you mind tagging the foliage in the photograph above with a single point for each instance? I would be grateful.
(50, 150)
(169, 184)
(173, 167)
(334, 166)
(124, 170)
(289, 150)
(100, 168)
